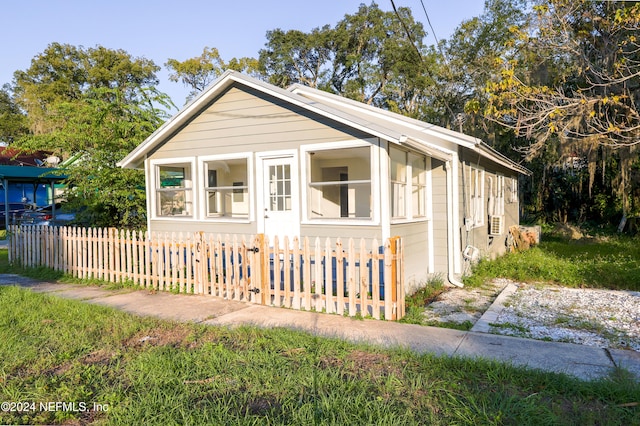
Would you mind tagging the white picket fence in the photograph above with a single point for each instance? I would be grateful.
(346, 279)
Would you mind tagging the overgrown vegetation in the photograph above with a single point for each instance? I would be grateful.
(416, 302)
(608, 262)
(147, 371)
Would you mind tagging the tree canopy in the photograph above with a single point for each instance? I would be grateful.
(555, 83)
(94, 105)
(198, 72)
(574, 88)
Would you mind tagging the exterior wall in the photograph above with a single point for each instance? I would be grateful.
(343, 232)
(189, 226)
(479, 237)
(416, 252)
(439, 194)
(243, 120)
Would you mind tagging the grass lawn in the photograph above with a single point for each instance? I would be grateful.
(611, 262)
(147, 371)
(108, 367)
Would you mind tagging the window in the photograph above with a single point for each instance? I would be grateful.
(418, 185)
(340, 183)
(476, 194)
(174, 190)
(280, 188)
(499, 194)
(398, 175)
(513, 190)
(404, 204)
(226, 188)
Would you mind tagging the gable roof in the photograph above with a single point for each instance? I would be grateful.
(389, 126)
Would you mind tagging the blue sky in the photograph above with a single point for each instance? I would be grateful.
(165, 29)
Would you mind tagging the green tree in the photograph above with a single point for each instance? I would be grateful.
(200, 71)
(94, 105)
(473, 56)
(13, 122)
(297, 57)
(372, 56)
(577, 83)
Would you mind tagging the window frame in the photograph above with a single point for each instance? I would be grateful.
(374, 165)
(409, 185)
(513, 190)
(190, 189)
(204, 189)
(477, 203)
(499, 195)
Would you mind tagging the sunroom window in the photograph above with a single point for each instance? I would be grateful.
(405, 165)
(174, 193)
(398, 183)
(226, 188)
(418, 185)
(340, 184)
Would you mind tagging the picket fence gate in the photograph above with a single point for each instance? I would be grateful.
(293, 273)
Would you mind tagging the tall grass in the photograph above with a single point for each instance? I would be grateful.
(147, 371)
(611, 262)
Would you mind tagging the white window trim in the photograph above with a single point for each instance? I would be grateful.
(153, 164)
(202, 183)
(373, 146)
(499, 196)
(477, 221)
(513, 193)
(408, 218)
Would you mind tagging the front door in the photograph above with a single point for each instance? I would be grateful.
(280, 197)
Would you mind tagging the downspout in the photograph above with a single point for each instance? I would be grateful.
(452, 211)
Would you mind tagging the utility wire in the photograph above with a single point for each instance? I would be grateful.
(413, 43)
(429, 22)
(406, 30)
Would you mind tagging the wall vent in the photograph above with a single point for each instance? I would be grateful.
(495, 225)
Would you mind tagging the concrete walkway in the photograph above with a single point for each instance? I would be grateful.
(584, 362)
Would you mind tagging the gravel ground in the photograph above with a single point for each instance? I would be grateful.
(602, 318)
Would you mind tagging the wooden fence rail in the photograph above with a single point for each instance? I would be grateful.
(346, 279)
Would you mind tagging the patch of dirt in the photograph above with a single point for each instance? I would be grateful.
(175, 335)
(462, 305)
(261, 406)
(99, 357)
(362, 364)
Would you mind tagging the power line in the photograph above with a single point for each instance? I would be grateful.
(429, 22)
(406, 30)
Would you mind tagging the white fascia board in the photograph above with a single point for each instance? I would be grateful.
(499, 158)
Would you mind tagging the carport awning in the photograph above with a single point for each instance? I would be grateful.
(30, 174)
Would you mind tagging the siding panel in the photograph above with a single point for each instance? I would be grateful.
(242, 119)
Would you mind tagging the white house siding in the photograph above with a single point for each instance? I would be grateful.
(440, 212)
(343, 232)
(416, 252)
(490, 246)
(245, 120)
(190, 226)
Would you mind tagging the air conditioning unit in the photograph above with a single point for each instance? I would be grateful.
(495, 225)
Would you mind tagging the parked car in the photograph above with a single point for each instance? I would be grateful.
(15, 212)
(47, 216)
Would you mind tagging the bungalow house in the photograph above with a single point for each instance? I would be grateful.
(246, 157)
